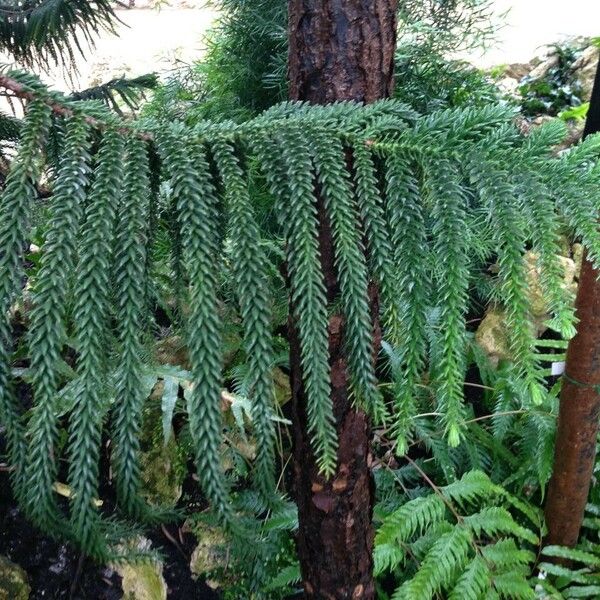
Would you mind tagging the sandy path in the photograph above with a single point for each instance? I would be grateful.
(530, 24)
(149, 40)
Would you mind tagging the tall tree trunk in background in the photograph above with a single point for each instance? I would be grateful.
(575, 449)
(339, 50)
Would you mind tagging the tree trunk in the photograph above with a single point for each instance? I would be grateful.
(339, 50)
(575, 448)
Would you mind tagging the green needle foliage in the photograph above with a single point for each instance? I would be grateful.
(411, 201)
(251, 283)
(333, 176)
(17, 198)
(187, 165)
(52, 32)
(131, 309)
(409, 242)
(91, 315)
(47, 332)
(308, 292)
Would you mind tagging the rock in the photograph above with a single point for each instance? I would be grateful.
(210, 558)
(283, 389)
(492, 336)
(540, 70)
(163, 466)
(509, 85)
(492, 333)
(538, 301)
(577, 258)
(13, 581)
(163, 471)
(584, 70)
(142, 580)
(211, 552)
(541, 120)
(518, 70)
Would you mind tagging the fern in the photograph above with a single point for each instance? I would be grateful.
(463, 540)
(572, 572)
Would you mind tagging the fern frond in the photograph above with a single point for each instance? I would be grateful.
(445, 559)
(471, 487)
(474, 581)
(411, 518)
(494, 520)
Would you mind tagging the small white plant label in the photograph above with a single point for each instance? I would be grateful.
(558, 368)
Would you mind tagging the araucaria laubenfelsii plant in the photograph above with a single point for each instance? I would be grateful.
(426, 203)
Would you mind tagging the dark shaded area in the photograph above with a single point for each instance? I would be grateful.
(52, 567)
(55, 571)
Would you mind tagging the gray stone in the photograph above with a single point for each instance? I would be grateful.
(584, 70)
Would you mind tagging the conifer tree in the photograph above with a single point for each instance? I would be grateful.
(378, 208)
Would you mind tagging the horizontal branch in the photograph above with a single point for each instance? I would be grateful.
(21, 91)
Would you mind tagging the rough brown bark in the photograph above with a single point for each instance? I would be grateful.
(339, 50)
(575, 448)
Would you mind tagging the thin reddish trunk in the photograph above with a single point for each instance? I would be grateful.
(339, 50)
(575, 449)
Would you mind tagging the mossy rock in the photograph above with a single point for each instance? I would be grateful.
(163, 466)
(162, 474)
(492, 336)
(210, 555)
(142, 580)
(283, 389)
(13, 581)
